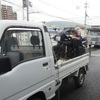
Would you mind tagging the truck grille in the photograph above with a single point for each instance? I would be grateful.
(94, 39)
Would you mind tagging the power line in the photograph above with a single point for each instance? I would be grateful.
(59, 8)
(12, 3)
(93, 20)
(18, 9)
(50, 15)
(44, 13)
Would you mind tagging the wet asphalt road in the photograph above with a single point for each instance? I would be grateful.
(91, 88)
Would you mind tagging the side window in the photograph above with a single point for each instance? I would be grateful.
(24, 44)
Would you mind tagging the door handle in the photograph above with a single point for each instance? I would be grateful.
(45, 64)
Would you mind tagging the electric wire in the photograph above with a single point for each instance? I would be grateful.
(59, 8)
(12, 3)
(50, 15)
(41, 12)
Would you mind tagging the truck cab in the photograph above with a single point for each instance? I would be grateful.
(94, 36)
(25, 60)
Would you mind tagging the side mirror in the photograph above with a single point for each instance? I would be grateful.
(57, 38)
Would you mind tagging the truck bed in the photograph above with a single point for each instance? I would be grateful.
(67, 67)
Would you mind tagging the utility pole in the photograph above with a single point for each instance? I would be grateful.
(85, 21)
(26, 5)
(27, 10)
(86, 15)
(23, 11)
(0, 11)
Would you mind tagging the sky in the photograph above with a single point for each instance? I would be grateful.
(54, 10)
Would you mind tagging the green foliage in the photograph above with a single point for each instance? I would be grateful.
(61, 24)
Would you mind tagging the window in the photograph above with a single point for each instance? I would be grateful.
(21, 44)
(94, 33)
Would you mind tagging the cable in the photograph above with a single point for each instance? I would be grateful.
(35, 11)
(12, 3)
(55, 16)
(92, 20)
(41, 12)
(18, 10)
(50, 15)
(59, 8)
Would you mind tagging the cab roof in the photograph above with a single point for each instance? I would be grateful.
(19, 23)
(4, 24)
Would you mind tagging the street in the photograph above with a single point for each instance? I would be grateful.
(91, 88)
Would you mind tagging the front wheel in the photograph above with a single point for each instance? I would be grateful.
(37, 99)
(80, 79)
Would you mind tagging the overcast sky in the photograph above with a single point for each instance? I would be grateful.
(66, 10)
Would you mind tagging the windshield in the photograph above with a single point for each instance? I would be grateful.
(94, 33)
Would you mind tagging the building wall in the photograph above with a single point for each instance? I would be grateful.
(10, 12)
(7, 13)
(15, 16)
(4, 12)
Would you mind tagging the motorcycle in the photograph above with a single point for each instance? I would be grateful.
(64, 48)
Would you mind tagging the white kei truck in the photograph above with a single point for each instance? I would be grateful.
(27, 67)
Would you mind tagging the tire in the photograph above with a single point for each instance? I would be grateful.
(37, 99)
(79, 81)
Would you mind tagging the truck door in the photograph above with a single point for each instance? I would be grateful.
(30, 67)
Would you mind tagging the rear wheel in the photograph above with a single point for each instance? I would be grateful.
(79, 81)
(37, 99)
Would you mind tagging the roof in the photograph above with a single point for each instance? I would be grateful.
(93, 29)
(4, 24)
(20, 23)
